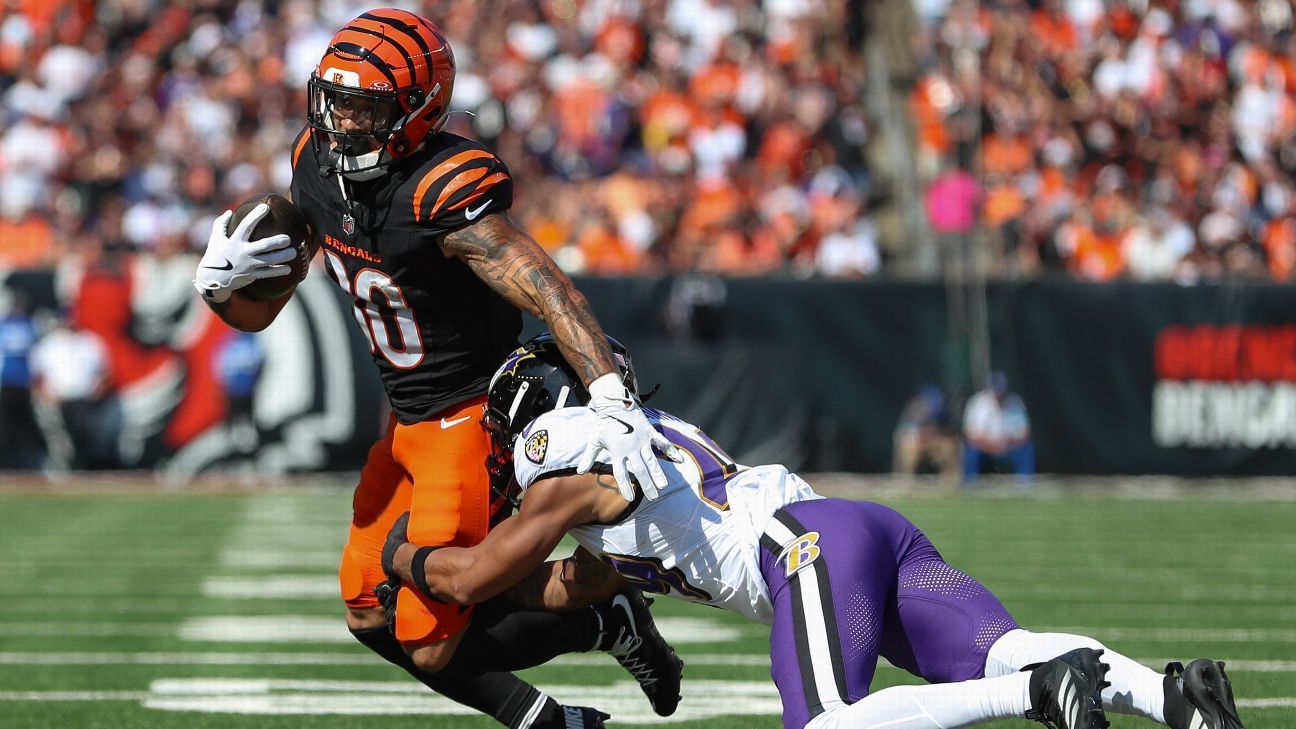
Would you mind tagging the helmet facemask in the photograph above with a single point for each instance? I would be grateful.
(361, 127)
(499, 462)
(533, 380)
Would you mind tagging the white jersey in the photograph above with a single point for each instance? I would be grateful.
(699, 539)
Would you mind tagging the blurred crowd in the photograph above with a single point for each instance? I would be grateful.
(645, 135)
(1148, 139)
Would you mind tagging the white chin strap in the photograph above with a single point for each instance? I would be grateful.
(363, 167)
(354, 166)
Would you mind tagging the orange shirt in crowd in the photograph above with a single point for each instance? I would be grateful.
(1003, 203)
(1095, 257)
(1280, 245)
(781, 149)
(1003, 155)
(25, 243)
(932, 133)
(716, 83)
(1055, 33)
(620, 40)
(550, 232)
(605, 253)
(580, 106)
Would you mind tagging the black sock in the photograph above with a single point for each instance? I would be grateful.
(502, 637)
(496, 693)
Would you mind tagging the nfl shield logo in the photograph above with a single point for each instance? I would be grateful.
(348, 223)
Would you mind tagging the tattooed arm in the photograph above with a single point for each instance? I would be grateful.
(518, 269)
(512, 264)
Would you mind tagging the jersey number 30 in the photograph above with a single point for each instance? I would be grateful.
(379, 307)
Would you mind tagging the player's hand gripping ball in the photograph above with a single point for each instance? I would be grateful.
(284, 218)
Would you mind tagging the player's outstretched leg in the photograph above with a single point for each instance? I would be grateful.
(946, 626)
(1066, 692)
(1135, 689)
(1200, 696)
(631, 636)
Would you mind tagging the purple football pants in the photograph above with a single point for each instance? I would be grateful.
(852, 580)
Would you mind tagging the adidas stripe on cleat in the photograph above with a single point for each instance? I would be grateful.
(1066, 692)
(1200, 696)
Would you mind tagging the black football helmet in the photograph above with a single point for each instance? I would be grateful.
(534, 379)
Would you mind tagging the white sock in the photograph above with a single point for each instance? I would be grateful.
(934, 706)
(1135, 689)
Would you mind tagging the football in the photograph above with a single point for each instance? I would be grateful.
(284, 217)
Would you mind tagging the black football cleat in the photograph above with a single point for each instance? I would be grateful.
(1200, 696)
(641, 650)
(1066, 692)
(584, 717)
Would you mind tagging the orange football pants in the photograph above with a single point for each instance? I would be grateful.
(436, 470)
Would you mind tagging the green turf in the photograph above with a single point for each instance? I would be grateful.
(101, 595)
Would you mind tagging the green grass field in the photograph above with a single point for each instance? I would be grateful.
(152, 609)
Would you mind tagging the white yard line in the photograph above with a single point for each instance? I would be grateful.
(330, 629)
(1184, 635)
(758, 660)
(326, 697)
(183, 659)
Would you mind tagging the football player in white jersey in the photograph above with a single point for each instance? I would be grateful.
(839, 582)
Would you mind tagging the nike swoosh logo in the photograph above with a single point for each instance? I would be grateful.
(624, 424)
(452, 423)
(472, 214)
(620, 601)
(228, 266)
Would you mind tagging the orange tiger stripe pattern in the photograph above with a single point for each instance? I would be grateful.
(441, 171)
(482, 188)
(456, 184)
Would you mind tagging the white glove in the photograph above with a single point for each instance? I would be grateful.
(628, 438)
(233, 260)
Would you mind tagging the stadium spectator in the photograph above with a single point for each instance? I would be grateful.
(21, 447)
(239, 360)
(646, 134)
(924, 440)
(1154, 141)
(996, 432)
(78, 412)
(1079, 128)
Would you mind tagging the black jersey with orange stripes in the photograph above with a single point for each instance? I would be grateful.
(435, 330)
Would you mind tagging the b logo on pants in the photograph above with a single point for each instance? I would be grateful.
(801, 552)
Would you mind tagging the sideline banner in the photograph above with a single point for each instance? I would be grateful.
(1117, 378)
(1120, 378)
(1153, 378)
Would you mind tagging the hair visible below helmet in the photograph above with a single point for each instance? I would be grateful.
(534, 379)
(391, 68)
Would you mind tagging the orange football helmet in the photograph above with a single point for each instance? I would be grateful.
(382, 87)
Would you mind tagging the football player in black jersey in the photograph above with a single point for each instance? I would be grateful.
(413, 224)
